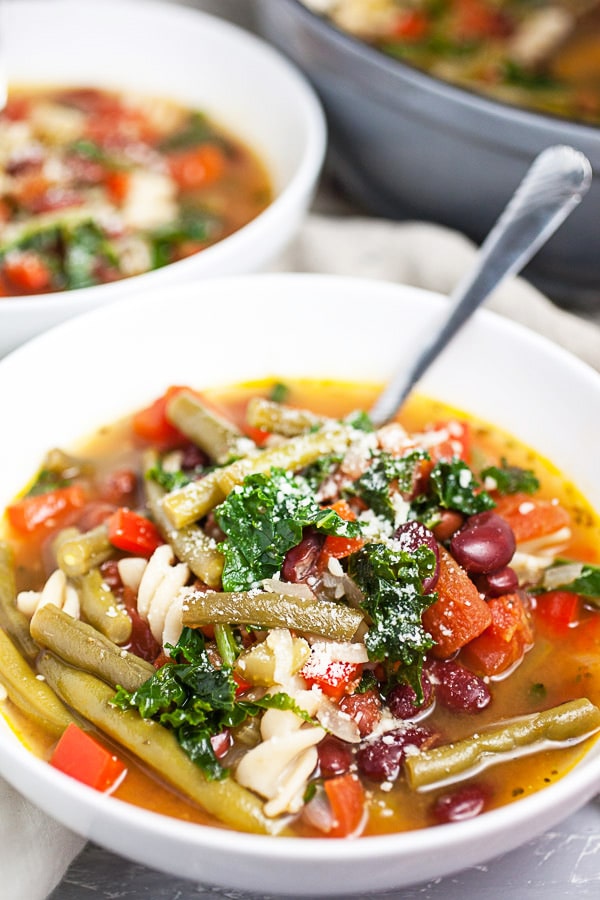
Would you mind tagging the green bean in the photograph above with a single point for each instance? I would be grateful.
(82, 645)
(190, 544)
(27, 692)
(568, 723)
(189, 503)
(220, 439)
(280, 419)
(12, 620)
(65, 465)
(79, 554)
(100, 609)
(270, 610)
(157, 747)
(291, 455)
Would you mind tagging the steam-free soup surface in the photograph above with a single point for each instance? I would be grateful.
(520, 637)
(98, 186)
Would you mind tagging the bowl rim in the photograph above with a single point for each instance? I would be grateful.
(464, 96)
(537, 812)
(302, 182)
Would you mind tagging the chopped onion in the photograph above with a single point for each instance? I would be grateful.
(559, 575)
(276, 586)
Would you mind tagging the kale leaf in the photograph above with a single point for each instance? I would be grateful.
(318, 471)
(452, 485)
(195, 700)
(587, 584)
(392, 584)
(373, 486)
(360, 420)
(263, 518)
(511, 479)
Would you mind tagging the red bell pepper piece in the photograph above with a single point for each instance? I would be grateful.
(83, 758)
(558, 610)
(129, 531)
(40, 511)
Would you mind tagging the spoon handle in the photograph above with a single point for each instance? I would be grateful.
(553, 186)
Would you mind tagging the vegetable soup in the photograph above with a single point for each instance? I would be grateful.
(538, 54)
(98, 186)
(252, 609)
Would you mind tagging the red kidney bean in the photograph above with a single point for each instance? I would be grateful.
(364, 708)
(466, 802)
(503, 581)
(192, 457)
(335, 756)
(301, 561)
(457, 688)
(413, 535)
(402, 699)
(485, 544)
(380, 759)
(449, 523)
(221, 743)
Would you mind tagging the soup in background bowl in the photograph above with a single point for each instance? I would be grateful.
(157, 58)
(333, 351)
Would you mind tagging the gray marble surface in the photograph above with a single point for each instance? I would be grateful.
(562, 863)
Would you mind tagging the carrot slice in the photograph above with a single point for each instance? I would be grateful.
(530, 517)
(347, 799)
(503, 643)
(459, 614)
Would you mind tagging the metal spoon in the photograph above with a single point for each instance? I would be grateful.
(553, 186)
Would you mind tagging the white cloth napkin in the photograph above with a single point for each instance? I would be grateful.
(435, 258)
(35, 851)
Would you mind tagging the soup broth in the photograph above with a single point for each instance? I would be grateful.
(350, 710)
(98, 186)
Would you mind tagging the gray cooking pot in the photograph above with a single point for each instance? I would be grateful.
(409, 146)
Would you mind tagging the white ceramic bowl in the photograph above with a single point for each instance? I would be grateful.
(200, 60)
(288, 325)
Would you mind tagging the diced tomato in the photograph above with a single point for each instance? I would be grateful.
(503, 643)
(198, 167)
(531, 518)
(129, 531)
(411, 25)
(27, 271)
(334, 677)
(347, 800)
(558, 610)
(337, 546)
(41, 511)
(83, 758)
(151, 424)
(117, 185)
(455, 440)
(17, 108)
(258, 435)
(241, 684)
(479, 19)
(459, 614)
